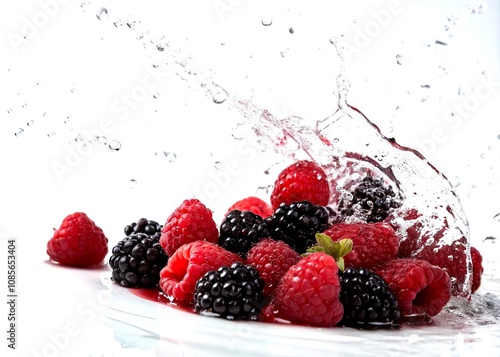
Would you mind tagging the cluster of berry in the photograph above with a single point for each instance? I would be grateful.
(298, 258)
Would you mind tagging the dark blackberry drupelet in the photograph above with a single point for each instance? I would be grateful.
(297, 223)
(136, 261)
(144, 225)
(234, 293)
(367, 300)
(372, 198)
(240, 230)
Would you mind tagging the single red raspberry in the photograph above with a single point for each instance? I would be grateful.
(188, 264)
(78, 242)
(302, 181)
(189, 222)
(420, 287)
(272, 259)
(253, 204)
(373, 243)
(450, 257)
(308, 293)
(477, 268)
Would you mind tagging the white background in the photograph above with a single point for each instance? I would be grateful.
(72, 73)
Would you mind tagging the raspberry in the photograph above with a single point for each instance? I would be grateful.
(302, 181)
(235, 293)
(239, 231)
(477, 268)
(188, 264)
(272, 259)
(308, 293)
(297, 223)
(137, 260)
(254, 205)
(190, 222)
(78, 242)
(373, 243)
(371, 199)
(367, 300)
(420, 287)
(450, 257)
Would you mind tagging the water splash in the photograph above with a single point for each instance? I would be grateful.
(431, 221)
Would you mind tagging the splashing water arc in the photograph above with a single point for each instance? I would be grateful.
(431, 221)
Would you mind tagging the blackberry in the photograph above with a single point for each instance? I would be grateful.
(234, 293)
(297, 223)
(143, 225)
(372, 198)
(136, 261)
(367, 300)
(240, 230)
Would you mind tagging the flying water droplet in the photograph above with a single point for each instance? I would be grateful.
(132, 183)
(169, 155)
(102, 14)
(284, 52)
(399, 59)
(114, 145)
(19, 132)
(497, 217)
(100, 139)
(156, 95)
(219, 96)
(267, 21)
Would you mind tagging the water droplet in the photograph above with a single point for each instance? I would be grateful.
(118, 23)
(156, 95)
(100, 139)
(498, 136)
(114, 145)
(170, 155)
(83, 5)
(219, 96)
(68, 118)
(267, 21)
(10, 111)
(51, 134)
(31, 122)
(335, 140)
(132, 183)
(399, 59)
(44, 114)
(218, 165)
(284, 52)
(497, 217)
(102, 14)
(19, 132)
(24, 105)
(291, 30)
(265, 189)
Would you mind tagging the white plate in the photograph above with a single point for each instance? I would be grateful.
(172, 331)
